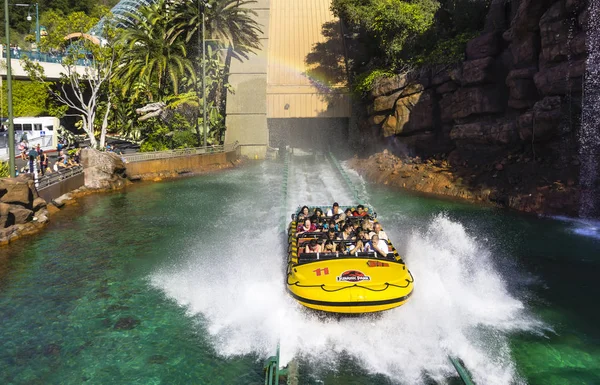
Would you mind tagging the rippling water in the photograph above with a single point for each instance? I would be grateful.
(182, 282)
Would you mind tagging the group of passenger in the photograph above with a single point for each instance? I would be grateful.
(337, 231)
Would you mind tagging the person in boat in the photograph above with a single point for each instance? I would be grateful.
(360, 211)
(312, 247)
(329, 247)
(348, 213)
(367, 226)
(378, 245)
(330, 237)
(307, 226)
(331, 225)
(319, 213)
(304, 211)
(347, 234)
(377, 231)
(336, 211)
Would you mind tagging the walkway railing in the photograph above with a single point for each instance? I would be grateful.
(57, 176)
(138, 157)
(43, 57)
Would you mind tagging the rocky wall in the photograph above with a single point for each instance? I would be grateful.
(22, 210)
(520, 88)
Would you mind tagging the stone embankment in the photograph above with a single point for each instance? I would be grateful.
(22, 210)
(517, 95)
(516, 182)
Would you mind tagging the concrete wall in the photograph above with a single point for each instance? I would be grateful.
(65, 186)
(180, 165)
(246, 119)
(53, 71)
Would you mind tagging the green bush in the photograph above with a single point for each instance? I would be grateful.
(364, 82)
(448, 51)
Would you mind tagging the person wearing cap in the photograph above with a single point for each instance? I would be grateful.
(336, 211)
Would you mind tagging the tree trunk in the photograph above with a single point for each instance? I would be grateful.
(105, 125)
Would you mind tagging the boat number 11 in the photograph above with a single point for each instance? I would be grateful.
(324, 271)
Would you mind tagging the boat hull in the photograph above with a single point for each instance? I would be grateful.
(350, 285)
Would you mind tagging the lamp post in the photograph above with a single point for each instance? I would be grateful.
(11, 127)
(202, 5)
(37, 20)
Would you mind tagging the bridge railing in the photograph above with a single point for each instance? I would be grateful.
(138, 157)
(55, 177)
(42, 57)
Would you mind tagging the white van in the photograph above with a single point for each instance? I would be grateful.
(42, 130)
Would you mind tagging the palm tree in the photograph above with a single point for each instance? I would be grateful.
(229, 24)
(155, 55)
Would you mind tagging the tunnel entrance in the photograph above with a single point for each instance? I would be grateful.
(309, 133)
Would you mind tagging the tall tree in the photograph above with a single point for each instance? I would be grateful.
(83, 85)
(155, 57)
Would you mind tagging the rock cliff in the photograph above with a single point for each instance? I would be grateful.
(517, 95)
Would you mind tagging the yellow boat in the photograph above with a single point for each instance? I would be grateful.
(344, 281)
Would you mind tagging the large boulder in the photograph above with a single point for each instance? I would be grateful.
(388, 85)
(478, 71)
(412, 113)
(527, 18)
(554, 33)
(488, 44)
(521, 88)
(102, 170)
(17, 191)
(543, 122)
(6, 218)
(525, 50)
(21, 214)
(471, 101)
(561, 79)
(494, 132)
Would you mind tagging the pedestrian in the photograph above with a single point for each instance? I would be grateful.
(33, 154)
(43, 161)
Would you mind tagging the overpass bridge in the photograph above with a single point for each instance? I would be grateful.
(294, 90)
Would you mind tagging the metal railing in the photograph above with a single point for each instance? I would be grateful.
(43, 57)
(55, 177)
(142, 156)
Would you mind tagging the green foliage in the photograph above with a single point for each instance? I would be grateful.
(4, 170)
(364, 82)
(30, 99)
(448, 51)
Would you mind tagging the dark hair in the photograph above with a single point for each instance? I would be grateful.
(318, 210)
(346, 227)
(336, 204)
(313, 242)
(329, 243)
(331, 230)
(348, 210)
(302, 209)
(360, 207)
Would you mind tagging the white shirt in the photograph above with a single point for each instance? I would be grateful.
(382, 235)
(381, 245)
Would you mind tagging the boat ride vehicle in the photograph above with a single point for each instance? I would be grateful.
(344, 262)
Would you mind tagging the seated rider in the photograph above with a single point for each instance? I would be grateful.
(335, 211)
(348, 213)
(360, 211)
(304, 211)
(331, 236)
(377, 231)
(319, 213)
(329, 247)
(307, 226)
(378, 245)
(312, 247)
(347, 234)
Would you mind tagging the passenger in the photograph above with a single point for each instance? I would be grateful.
(304, 210)
(331, 236)
(349, 213)
(319, 213)
(378, 245)
(306, 227)
(347, 234)
(377, 231)
(360, 211)
(367, 226)
(301, 218)
(329, 247)
(331, 225)
(312, 247)
(336, 211)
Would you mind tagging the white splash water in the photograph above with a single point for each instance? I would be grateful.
(460, 306)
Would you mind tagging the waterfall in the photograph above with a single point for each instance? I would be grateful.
(589, 136)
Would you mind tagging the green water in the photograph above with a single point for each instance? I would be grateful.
(87, 301)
